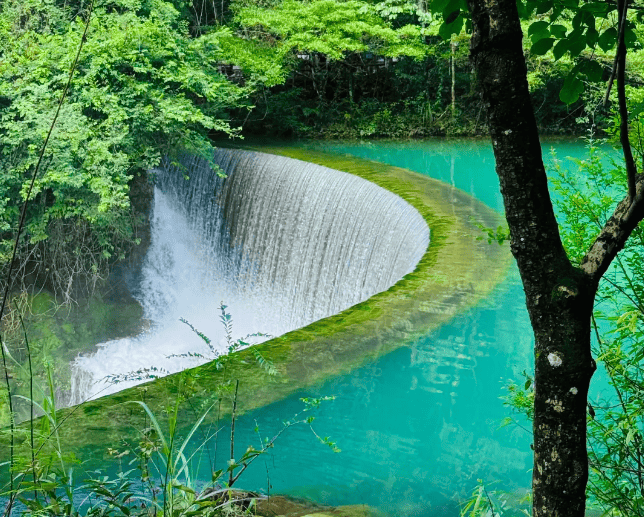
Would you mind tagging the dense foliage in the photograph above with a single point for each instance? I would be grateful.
(615, 439)
(151, 80)
(156, 76)
(143, 88)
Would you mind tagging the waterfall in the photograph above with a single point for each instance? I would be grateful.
(280, 241)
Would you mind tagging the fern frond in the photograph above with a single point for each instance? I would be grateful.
(264, 363)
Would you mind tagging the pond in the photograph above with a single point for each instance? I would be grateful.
(421, 425)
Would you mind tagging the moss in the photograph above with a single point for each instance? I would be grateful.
(41, 303)
(456, 272)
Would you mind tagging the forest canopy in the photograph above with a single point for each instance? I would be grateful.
(142, 89)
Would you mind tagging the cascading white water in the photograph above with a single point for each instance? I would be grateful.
(281, 242)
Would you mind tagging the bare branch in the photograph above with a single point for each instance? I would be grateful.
(631, 169)
(620, 36)
(616, 231)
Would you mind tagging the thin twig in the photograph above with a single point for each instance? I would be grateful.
(489, 502)
(268, 476)
(232, 478)
(631, 169)
(31, 406)
(620, 33)
(12, 426)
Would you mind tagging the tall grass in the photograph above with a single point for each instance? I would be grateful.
(161, 473)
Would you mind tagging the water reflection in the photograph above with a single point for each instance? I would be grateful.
(419, 426)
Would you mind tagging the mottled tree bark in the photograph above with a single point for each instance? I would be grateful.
(559, 297)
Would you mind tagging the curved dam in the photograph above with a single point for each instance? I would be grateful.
(281, 242)
(451, 283)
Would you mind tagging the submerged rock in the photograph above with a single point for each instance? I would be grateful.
(281, 506)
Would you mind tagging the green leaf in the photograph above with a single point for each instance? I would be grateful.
(438, 6)
(542, 46)
(537, 27)
(572, 89)
(264, 363)
(637, 109)
(446, 30)
(543, 34)
(592, 70)
(560, 49)
(583, 18)
(453, 6)
(607, 39)
(558, 31)
(451, 17)
(577, 43)
(630, 37)
(591, 36)
(183, 488)
(576, 21)
(544, 7)
(531, 6)
(598, 8)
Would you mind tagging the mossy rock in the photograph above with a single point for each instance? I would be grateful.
(281, 506)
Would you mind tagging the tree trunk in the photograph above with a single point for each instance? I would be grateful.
(563, 368)
(559, 297)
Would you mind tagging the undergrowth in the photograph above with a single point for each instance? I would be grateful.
(160, 472)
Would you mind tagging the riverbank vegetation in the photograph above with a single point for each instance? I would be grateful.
(614, 409)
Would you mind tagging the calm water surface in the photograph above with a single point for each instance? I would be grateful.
(419, 426)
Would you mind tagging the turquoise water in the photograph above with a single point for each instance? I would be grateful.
(420, 426)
